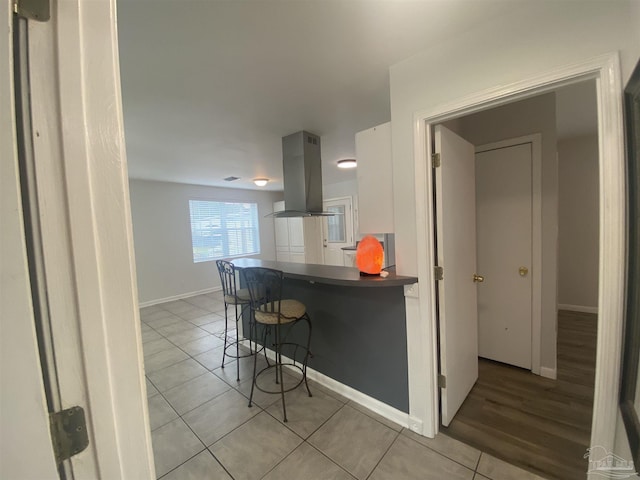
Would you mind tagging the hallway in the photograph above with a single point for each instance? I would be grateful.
(539, 424)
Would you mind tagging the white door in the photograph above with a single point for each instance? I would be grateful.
(456, 253)
(504, 219)
(337, 230)
(81, 247)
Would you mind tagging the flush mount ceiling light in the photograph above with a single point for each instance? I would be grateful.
(261, 182)
(347, 163)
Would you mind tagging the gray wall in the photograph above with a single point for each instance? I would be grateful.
(162, 236)
(534, 115)
(578, 221)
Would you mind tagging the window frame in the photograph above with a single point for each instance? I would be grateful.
(224, 229)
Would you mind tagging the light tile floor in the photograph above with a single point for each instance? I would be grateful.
(202, 428)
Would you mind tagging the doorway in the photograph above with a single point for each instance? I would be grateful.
(542, 425)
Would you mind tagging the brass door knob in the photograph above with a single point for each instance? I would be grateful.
(478, 278)
(523, 271)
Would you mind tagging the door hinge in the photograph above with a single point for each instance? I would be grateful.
(39, 10)
(435, 160)
(438, 272)
(68, 432)
(442, 381)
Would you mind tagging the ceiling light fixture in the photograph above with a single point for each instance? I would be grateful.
(347, 163)
(260, 182)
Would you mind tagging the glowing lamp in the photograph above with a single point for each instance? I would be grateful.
(369, 256)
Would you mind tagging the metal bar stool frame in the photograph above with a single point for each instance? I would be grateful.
(239, 299)
(274, 313)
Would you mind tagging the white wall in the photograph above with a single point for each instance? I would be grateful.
(578, 221)
(533, 115)
(517, 46)
(543, 36)
(162, 236)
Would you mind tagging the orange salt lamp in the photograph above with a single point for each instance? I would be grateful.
(369, 256)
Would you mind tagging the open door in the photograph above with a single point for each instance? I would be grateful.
(456, 253)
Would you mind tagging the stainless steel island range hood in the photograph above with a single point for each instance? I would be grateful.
(302, 176)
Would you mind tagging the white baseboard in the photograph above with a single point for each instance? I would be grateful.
(381, 408)
(577, 308)
(547, 372)
(178, 297)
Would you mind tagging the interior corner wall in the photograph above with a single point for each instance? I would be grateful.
(578, 240)
(526, 117)
(532, 40)
(162, 236)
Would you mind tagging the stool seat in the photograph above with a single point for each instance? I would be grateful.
(241, 297)
(290, 311)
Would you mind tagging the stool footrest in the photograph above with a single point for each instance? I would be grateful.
(266, 369)
(243, 354)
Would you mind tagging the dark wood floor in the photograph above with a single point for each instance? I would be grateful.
(538, 424)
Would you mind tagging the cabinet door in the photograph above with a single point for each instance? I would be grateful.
(375, 186)
(283, 256)
(296, 232)
(282, 232)
(297, 257)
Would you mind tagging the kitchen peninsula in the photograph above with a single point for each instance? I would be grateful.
(359, 333)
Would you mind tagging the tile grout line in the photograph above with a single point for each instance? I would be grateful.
(329, 458)
(443, 455)
(188, 426)
(205, 447)
(384, 454)
(303, 439)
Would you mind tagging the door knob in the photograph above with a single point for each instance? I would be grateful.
(478, 278)
(523, 271)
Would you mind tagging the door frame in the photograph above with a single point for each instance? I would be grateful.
(87, 237)
(24, 416)
(353, 230)
(422, 343)
(536, 242)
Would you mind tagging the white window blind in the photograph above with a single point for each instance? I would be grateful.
(223, 229)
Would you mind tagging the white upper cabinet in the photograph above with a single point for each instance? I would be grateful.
(375, 179)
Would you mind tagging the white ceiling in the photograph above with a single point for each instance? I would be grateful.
(210, 87)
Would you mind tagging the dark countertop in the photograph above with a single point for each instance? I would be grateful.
(327, 274)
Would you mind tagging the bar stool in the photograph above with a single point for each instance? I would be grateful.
(239, 299)
(274, 314)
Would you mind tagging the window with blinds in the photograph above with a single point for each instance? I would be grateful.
(223, 229)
